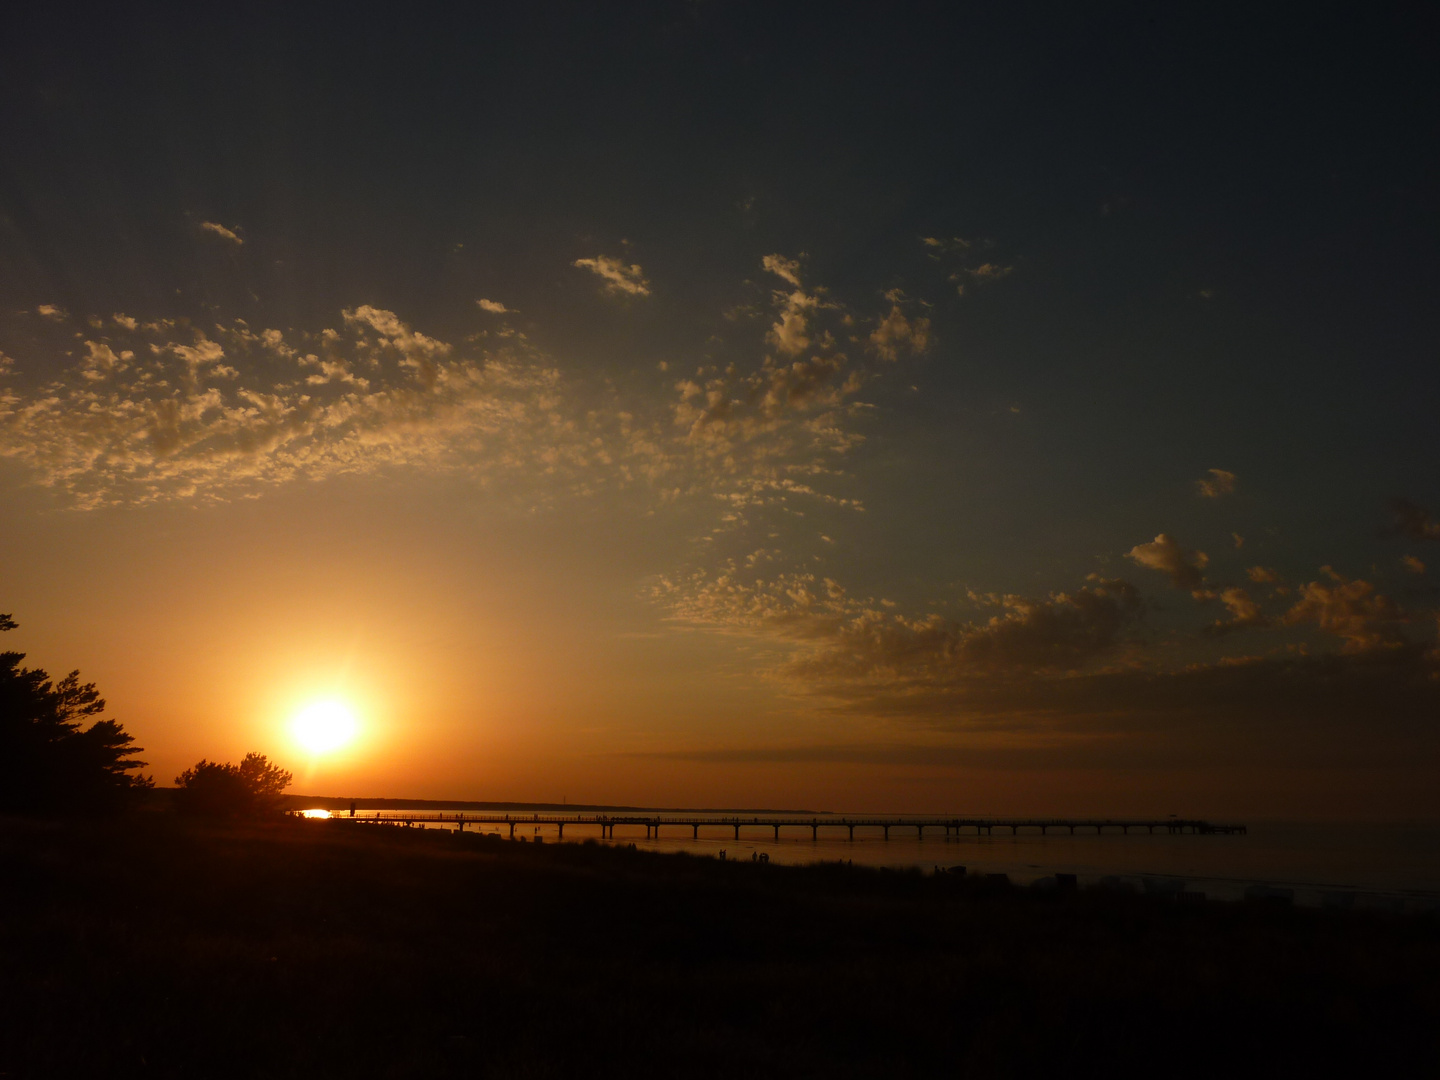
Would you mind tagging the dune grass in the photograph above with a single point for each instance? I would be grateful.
(161, 947)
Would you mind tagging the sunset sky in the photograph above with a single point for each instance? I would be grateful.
(843, 407)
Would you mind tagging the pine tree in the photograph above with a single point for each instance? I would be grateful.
(56, 763)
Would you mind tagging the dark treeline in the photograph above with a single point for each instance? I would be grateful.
(56, 765)
(54, 762)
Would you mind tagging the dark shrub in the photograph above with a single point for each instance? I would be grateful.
(210, 789)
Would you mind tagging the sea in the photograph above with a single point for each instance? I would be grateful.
(1394, 867)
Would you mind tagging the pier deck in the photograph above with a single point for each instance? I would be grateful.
(653, 823)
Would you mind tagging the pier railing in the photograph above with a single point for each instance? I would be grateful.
(652, 823)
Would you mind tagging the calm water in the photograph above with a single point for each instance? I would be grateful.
(1385, 863)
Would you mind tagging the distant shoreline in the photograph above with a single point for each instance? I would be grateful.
(339, 802)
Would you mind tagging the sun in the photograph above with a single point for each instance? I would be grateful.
(324, 726)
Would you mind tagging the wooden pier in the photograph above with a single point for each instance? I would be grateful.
(653, 823)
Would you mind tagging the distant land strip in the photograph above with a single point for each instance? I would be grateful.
(337, 802)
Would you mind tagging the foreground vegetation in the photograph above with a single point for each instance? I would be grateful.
(169, 946)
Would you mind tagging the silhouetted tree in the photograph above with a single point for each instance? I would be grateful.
(53, 762)
(211, 789)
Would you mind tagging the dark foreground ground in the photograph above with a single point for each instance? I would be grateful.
(321, 949)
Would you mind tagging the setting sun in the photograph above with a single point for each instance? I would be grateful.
(324, 726)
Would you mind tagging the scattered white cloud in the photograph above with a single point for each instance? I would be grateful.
(101, 361)
(203, 351)
(1351, 610)
(1244, 611)
(961, 256)
(1073, 664)
(1218, 483)
(730, 406)
(989, 271)
(844, 638)
(168, 419)
(1413, 521)
(53, 312)
(618, 277)
(790, 333)
(788, 269)
(216, 229)
(946, 245)
(163, 409)
(896, 334)
(1164, 553)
